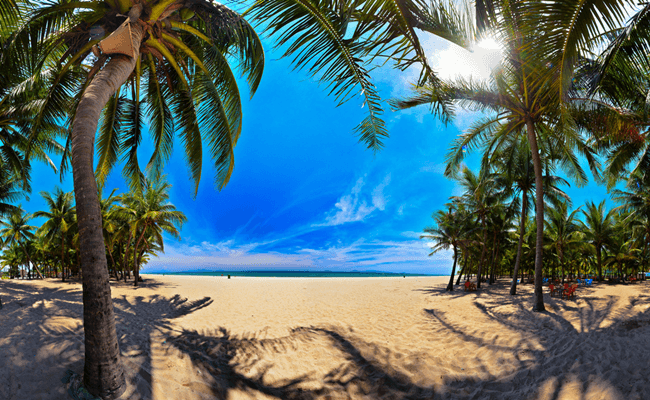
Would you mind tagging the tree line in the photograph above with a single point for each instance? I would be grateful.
(133, 226)
(491, 231)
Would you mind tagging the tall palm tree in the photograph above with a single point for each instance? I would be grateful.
(599, 228)
(152, 214)
(621, 251)
(449, 232)
(173, 57)
(522, 100)
(482, 196)
(109, 224)
(16, 231)
(562, 231)
(512, 163)
(58, 220)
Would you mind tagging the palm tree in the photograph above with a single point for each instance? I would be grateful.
(58, 220)
(598, 228)
(450, 229)
(11, 259)
(181, 49)
(152, 214)
(621, 251)
(512, 163)
(522, 100)
(16, 231)
(562, 229)
(482, 196)
(109, 224)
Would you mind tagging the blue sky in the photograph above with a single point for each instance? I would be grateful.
(304, 193)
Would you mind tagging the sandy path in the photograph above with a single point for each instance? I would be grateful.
(333, 338)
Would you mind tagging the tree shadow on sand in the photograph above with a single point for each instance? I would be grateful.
(41, 337)
(138, 321)
(592, 347)
(246, 365)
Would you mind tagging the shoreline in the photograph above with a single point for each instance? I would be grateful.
(187, 337)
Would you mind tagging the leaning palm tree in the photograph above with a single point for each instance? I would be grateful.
(167, 60)
(15, 230)
(599, 229)
(58, 220)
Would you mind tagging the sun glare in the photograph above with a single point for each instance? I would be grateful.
(488, 44)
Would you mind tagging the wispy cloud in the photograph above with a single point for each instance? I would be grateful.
(436, 168)
(354, 206)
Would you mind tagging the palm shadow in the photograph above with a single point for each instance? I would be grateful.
(584, 346)
(138, 320)
(38, 341)
(41, 335)
(230, 363)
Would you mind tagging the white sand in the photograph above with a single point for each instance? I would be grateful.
(334, 338)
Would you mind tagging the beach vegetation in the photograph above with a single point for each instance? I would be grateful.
(60, 223)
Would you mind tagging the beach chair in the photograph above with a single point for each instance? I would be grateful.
(551, 288)
(589, 282)
(467, 284)
(570, 291)
(472, 287)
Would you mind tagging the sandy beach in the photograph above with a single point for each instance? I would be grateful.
(334, 338)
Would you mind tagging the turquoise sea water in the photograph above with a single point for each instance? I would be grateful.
(294, 274)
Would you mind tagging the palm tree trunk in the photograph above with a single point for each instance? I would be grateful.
(600, 267)
(450, 287)
(62, 258)
(522, 231)
(460, 275)
(538, 300)
(562, 264)
(103, 371)
(136, 258)
(480, 264)
(494, 258)
(30, 260)
(126, 255)
(110, 253)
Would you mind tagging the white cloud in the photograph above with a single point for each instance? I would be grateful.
(378, 198)
(354, 207)
(436, 168)
(412, 234)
